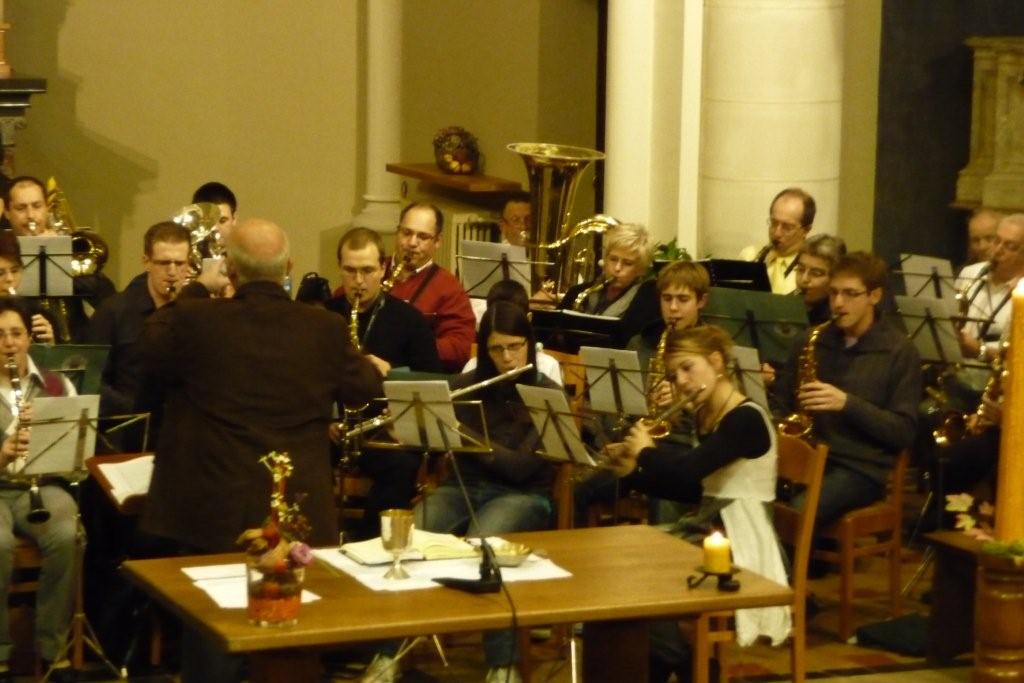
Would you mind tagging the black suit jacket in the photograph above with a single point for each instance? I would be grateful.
(242, 377)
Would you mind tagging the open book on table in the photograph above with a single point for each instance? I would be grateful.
(426, 545)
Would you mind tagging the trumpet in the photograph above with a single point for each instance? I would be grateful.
(581, 298)
(382, 420)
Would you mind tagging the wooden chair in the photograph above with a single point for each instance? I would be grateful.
(881, 522)
(803, 465)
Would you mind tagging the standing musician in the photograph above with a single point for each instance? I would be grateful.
(790, 218)
(119, 321)
(54, 537)
(434, 291)
(990, 288)
(29, 215)
(864, 392)
(390, 333)
(215, 280)
(621, 290)
(814, 264)
(730, 472)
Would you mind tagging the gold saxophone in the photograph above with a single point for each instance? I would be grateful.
(581, 298)
(391, 279)
(800, 423)
(655, 374)
(958, 425)
(353, 322)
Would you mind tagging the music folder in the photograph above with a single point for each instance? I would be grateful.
(566, 331)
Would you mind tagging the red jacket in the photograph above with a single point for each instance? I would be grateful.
(446, 306)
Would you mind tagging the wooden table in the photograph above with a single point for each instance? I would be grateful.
(622, 576)
(951, 625)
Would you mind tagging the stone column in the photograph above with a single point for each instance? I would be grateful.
(382, 200)
(772, 108)
(983, 125)
(1004, 186)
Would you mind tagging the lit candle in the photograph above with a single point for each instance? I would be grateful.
(716, 554)
(1009, 515)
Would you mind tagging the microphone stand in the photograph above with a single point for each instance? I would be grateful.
(490, 574)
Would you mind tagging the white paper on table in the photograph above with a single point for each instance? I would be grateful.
(230, 592)
(421, 574)
(215, 571)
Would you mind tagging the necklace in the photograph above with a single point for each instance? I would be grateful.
(711, 425)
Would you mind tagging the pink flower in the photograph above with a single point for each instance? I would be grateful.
(300, 554)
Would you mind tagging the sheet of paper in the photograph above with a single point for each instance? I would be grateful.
(129, 478)
(230, 592)
(421, 574)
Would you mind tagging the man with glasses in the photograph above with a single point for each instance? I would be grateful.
(516, 219)
(790, 218)
(119, 321)
(865, 396)
(434, 291)
(989, 291)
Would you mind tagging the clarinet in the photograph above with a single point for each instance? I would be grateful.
(37, 513)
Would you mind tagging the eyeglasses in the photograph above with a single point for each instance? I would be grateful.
(785, 226)
(846, 293)
(813, 272)
(500, 349)
(1012, 247)
(168, 263)
(408, 234)
(517, 220)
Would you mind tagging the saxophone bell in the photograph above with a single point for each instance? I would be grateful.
(581, 299)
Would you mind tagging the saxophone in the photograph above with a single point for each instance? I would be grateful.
(390, 280)
(581, 298)
(800, 424)
(353, 322)
(957, 425)
(655, 374)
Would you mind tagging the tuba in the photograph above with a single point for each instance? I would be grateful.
(800, 423)
(205, 241)
(554, 172)
(89, 251)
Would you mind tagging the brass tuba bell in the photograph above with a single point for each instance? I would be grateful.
(205, 241)
(89, 251)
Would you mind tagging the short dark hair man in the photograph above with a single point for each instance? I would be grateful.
(434, 291)
(790, 217)
(25, 206)
(221, 195)
(516, 219)
(865, 399)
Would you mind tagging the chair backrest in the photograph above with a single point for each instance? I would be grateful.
(804, 464)
(897, 477)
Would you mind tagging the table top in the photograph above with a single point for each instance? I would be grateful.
(619, 573)
(954, 540)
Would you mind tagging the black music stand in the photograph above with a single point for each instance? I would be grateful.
(566, 331)
(556, 425)
(745, 369)
(482, 264)
(768, 322)
(929, 323)
(927, 276)
(47, 265)
(615, 381)
(736, 274)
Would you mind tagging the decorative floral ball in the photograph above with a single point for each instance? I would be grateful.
(456, 150)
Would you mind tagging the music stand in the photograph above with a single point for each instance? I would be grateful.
(735, 274)
(928, 276)
(47, 265)
(929, 325)
(615, 381)
(420, 408)
(567, 331)
(85, 361)
(746, 371)
(556, 425)
(482, 264)
(768, 322)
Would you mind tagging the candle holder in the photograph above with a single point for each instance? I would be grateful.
(726, 583)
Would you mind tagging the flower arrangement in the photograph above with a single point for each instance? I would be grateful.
(276, 556)
(456, 150)
(975, 518)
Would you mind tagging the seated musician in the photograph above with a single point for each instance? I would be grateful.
(514, 293)
(790, 218)
(11, 272)
(988, 294)
(981, 237)
(814, 263)
(26, 208)
(862, 389)
(730, 472)
(620, 291)
(516, 221)
(391, 334)
(55, 537)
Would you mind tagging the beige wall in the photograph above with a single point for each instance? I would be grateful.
(147, 99)
(862, 35)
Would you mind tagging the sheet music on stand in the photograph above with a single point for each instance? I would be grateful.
(63, 435)
(768, 322)
(736, 274)
(746, 371)
(47, 265)
(927, 276)
(556, 425)
(615, 380)
(929, 325)
(421, 409)
(482, 264)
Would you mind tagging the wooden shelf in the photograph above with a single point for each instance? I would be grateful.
(474, 183)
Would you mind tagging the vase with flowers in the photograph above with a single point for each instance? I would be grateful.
(276, 556)
(456, 151)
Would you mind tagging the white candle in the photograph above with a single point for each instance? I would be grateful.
(717, 559)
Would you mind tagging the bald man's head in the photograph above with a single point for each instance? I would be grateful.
(257, 249)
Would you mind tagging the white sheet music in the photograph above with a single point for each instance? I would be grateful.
(129, 477)
(549, 411)
(55, 443)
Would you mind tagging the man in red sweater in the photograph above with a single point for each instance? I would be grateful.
(434, 291)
